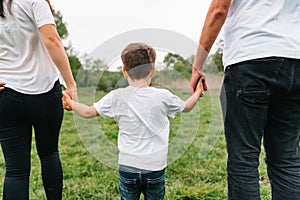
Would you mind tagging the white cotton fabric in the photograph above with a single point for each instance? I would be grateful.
(25, 64)
(142, 116)
(261, 28)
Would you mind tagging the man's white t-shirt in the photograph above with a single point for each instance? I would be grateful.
(142, 117)
(261, 28)
(25, 64)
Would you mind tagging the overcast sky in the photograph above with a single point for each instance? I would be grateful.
(92, 22)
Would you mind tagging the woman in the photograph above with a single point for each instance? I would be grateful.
(31, 58)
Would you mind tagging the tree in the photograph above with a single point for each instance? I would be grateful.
(214, 62)
(178, 63)
(171, 58)
(61, 26)
(184, 69)
(98, 65)
(217, 57)
(75, 64)
(87, 63)
(62, 30)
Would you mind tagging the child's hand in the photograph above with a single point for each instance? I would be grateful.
(200, 88)
(2, 86)
(67, 102)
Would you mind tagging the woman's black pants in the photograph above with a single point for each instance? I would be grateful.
(19, 115)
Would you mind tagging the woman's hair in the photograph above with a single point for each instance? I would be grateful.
(51, 8)
(138, 60)
(2, 14)
(2, 7)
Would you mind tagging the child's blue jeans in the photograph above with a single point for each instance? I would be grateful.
(151, 184)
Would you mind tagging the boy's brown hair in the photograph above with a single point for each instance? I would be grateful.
(138, 60)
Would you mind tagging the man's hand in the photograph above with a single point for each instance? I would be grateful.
(197, 75)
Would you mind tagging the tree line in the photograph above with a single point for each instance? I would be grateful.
(176, 67)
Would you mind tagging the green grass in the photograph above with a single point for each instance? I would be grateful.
(199, 173)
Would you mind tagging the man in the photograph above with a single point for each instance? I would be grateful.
(262, 85)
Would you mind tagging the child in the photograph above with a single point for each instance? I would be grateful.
(142, 115)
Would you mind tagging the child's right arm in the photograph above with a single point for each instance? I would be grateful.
(192, 101)
(79, 108)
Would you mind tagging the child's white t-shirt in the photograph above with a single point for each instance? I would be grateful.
(142, 116)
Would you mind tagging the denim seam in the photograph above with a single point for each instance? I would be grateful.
(292, 77)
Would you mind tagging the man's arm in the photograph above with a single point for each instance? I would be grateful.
(214, 21)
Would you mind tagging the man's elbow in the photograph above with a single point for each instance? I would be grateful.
(219, 9)
(219, 12)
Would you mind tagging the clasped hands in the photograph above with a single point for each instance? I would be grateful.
(2, 86)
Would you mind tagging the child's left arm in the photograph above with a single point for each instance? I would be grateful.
(192, 101)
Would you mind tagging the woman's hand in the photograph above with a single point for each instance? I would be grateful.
(67, 101)
(72, 93)
(2, 86)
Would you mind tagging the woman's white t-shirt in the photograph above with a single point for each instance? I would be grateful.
(142, 116)
(25, 64)
(261, 28)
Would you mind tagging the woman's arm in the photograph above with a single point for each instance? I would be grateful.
(57, 52)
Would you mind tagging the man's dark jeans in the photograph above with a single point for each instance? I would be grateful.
(18, 114)
(263, 103)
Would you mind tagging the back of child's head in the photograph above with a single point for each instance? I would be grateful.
(138, 60)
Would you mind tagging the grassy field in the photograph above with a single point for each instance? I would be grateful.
(197, 168)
